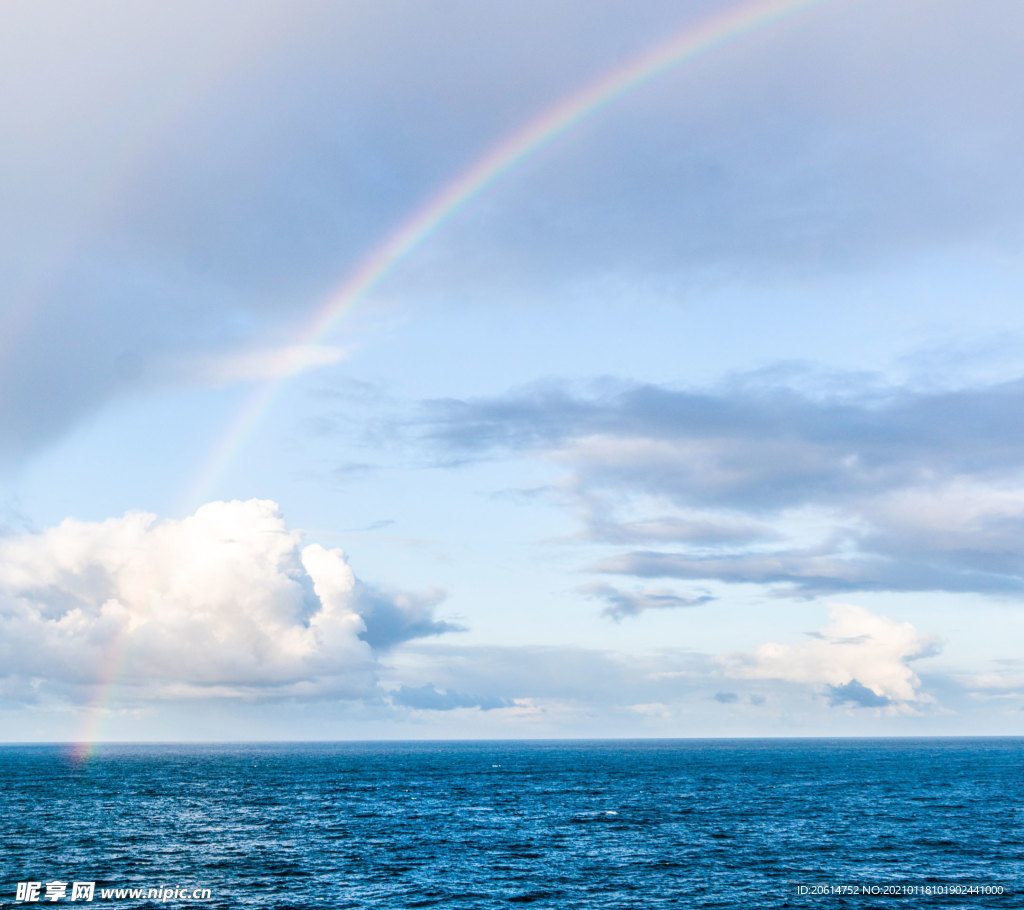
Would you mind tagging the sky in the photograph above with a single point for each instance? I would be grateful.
(511, 370)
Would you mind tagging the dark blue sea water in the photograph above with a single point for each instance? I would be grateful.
(645, 824)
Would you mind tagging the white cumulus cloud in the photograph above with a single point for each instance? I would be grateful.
(858, 658)
(225, 602)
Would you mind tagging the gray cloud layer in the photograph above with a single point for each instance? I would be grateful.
(429, 698)
(393, 617)
(893, 488)
(186, 178)
(858, 695)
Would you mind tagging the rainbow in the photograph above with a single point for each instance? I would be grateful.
(537, 134)
(85, 744)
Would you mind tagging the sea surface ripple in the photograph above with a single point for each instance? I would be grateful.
(552, 824)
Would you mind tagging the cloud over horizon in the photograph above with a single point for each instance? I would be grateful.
(428, 698)
(224, 603)
(228, 605)
(857, 658)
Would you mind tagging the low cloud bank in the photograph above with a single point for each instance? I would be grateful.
(226, 602)
(858, 658)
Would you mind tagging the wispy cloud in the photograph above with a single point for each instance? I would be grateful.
(631, 603)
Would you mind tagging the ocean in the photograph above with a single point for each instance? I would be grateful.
(549, 824)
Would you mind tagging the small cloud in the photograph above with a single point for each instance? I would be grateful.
(854, 693)
(1003, 681)
(429, 698)
(625, 603)
(726, 698)
(393, 617)
(669, 529)
(372, 526)
(857, 657)
(352, 470)
(527, 494)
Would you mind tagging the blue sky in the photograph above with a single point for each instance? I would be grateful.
(699, 421)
